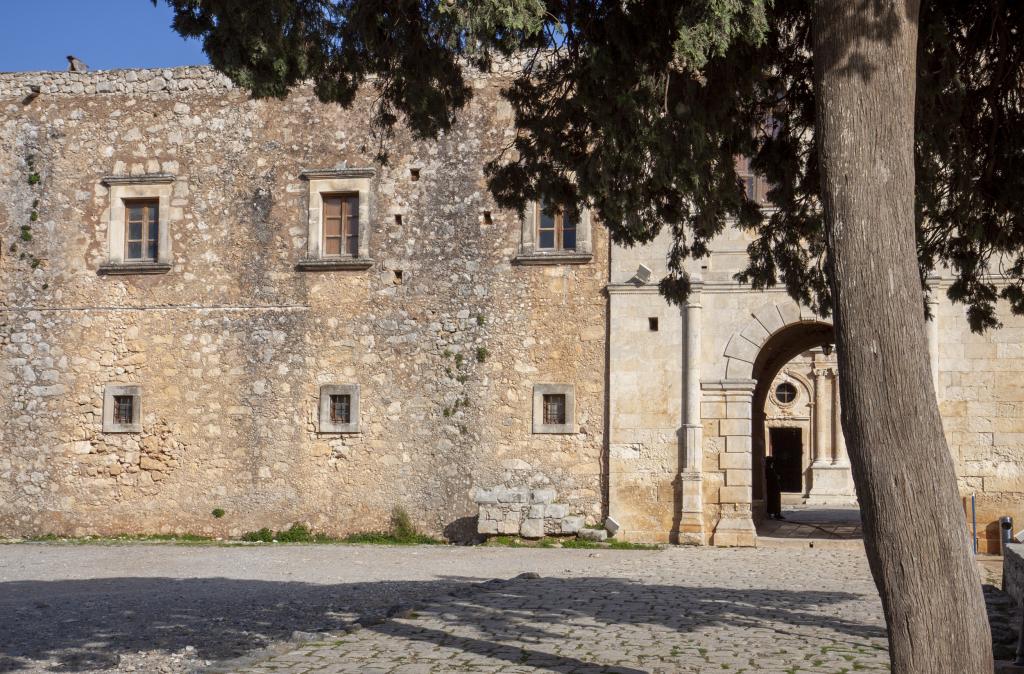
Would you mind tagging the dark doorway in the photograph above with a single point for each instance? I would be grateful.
(788, 452)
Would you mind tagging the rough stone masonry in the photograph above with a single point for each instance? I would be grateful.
(181, 335)
(443, 334)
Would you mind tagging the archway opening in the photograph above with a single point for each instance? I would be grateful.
(800, 468)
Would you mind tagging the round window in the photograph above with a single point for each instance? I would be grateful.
(785, 393)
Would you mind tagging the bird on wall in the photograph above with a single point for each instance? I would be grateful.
(76, 66)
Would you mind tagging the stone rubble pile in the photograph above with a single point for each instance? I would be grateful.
(521, 511)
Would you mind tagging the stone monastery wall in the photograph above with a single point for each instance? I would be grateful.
(443, 333)
(448, 328)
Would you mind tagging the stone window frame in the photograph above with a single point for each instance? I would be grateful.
(324, 423)
(109, 393)
(530, 254)
(329, 182)
(539, 391)
(150, 187)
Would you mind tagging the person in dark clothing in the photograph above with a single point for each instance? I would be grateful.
(774, 488)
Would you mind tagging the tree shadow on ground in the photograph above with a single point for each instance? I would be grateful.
(88, 624)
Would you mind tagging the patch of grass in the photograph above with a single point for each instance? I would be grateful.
(480, 319)
(217, 512)
(296, 533)
(626, 545)
(481, 354)
(121, 538)
(402, 532)
(264, 535)
(44, 538)
(387, 538)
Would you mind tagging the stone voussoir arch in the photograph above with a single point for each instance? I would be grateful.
(771, 318)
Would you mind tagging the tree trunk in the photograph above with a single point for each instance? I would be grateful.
(914, 527)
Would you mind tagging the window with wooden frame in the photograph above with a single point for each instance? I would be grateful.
(142, 230)
(341, 224)
(550, 236)
(555, 230)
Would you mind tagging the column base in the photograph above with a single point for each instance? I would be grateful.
(735, 530)
(691, 518)
(831, 484)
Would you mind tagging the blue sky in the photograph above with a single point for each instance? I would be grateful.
(39, 34)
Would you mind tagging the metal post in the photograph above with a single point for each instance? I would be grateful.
(974, 524)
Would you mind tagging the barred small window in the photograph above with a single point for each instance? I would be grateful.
(554, 408)
(123, 409)
(341, 409)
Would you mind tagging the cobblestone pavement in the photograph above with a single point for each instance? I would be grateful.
(813, 522)
(153, 608)
(680, 610)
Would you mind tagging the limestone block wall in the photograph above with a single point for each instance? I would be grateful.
(981, 395)
(645, 400)
(232, 344)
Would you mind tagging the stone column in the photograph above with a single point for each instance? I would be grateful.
(821, 440)
(691, 521)
(839, 440)
(831, 478)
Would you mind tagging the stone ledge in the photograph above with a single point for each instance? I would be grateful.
(334, 264)
(340, 172)
(142, 179)
(552, 258)
(131, 268)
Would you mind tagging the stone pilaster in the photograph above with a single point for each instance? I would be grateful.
(736, 525)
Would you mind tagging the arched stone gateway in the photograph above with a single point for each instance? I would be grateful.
(775, 333)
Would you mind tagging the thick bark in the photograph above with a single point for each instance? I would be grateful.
(914, 526)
